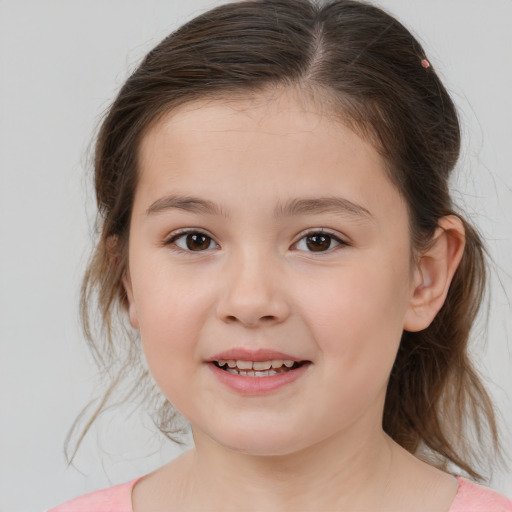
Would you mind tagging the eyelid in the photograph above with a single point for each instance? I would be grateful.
(175, 235)
(335, 235)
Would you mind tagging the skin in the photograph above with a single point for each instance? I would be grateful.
(258, 284)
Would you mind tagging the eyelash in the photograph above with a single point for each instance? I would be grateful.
(183, 233)
(328, 234)
(171, 241)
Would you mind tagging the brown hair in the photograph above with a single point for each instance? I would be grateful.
(369, 68)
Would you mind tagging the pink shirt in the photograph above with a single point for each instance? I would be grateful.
(470, 498)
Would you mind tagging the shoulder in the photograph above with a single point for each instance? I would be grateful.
(113, 499)
(475, 498)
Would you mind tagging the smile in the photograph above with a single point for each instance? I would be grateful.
(256, 378)
(257, 368)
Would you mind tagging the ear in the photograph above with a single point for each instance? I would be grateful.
(132, 311)
(434, 272)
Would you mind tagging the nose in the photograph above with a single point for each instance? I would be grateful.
(253, 293)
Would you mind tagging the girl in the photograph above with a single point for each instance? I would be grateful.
(276, 227)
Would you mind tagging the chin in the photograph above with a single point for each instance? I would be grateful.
(260, 441)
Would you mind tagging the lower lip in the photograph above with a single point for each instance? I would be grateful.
(257, 385)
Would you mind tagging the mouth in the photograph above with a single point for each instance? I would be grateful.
(257, 372)
(257, 369)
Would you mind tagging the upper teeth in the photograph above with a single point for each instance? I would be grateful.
(256, 365)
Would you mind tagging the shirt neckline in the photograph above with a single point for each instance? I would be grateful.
(458, 495)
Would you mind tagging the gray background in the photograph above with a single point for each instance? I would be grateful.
(61, 64)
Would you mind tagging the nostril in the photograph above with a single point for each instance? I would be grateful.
(262, 319)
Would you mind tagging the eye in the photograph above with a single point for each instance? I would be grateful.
(194, 241)
(318, 241)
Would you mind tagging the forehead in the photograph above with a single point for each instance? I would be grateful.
(274, 144)
(287, 113)
(276, 112)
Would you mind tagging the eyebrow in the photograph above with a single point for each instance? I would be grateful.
(297, 206)
(333, 205)
(186, 203)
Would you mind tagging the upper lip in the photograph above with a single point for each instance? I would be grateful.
(248, 354)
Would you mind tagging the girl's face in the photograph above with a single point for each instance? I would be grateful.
(263, 231)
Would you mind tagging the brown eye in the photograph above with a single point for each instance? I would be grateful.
(198, 242)
(318, 242)
(193, 241)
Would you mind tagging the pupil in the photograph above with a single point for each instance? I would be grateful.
(318, 243)
(198, 242)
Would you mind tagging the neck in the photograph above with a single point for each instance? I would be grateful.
(342, 469)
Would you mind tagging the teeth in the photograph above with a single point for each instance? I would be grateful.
(245, 373)
(262, 365)
(259, 366)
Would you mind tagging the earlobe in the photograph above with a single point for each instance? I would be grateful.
(132, 311)
(434, 273)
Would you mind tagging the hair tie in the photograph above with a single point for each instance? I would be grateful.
(425, 63)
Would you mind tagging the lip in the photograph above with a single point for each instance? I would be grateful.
(258, 355)
(257, 385)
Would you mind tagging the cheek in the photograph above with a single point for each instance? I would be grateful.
(357, 324)
(171, 315)
(357, 320)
